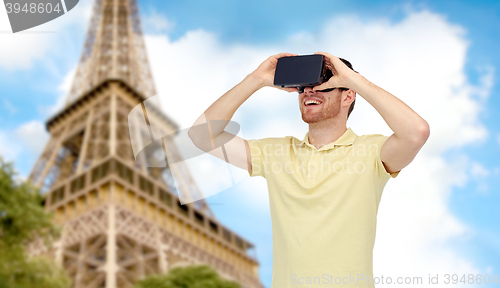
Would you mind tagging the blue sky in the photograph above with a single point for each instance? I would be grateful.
(34, 67)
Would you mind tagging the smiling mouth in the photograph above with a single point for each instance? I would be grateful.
(312, 103)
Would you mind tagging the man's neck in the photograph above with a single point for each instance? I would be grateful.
(326, 132)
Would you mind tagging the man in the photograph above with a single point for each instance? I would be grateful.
(324, 191)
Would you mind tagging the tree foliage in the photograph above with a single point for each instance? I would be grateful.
(22, 219)
(197, 276)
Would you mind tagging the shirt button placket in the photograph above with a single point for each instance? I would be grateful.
(312, 167)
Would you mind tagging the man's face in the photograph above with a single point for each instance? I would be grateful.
(318, 106)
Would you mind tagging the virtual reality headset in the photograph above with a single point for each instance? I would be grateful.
(301, 71)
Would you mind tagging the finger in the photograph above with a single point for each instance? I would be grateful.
(327, 55)
(336, 61)
(288, 89)
(330, 60)
(326, 85)
(321, 87)
(284, 54)
(291, 89)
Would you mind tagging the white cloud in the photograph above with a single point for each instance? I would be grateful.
(29, 137)
(420, 60)
(181, 78)
(479, 171)
(33, 136)
(479, 174)
(9, 150)
(20, 50)
(487, 81)
(23, 50)
(63, 90)
(154, 23)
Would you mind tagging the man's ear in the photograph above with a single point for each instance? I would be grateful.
(349, 96)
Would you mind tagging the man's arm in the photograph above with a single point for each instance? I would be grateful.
(410, 130)
(237, 149)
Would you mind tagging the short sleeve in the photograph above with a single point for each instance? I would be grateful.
(257, 157)
(378, 161)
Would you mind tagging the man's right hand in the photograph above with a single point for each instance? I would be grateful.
(265, 72)
(237, 149)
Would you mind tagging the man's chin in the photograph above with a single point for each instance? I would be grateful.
(315, 118)
(310, 120)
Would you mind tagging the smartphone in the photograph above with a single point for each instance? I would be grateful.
(301, 71)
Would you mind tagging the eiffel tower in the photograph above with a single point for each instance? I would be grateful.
(122, 221)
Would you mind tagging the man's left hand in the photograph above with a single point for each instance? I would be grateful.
(343, 76)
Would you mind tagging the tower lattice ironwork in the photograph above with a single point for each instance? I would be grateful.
(122, 221)
(114, 49)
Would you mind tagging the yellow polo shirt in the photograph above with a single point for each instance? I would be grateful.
(323, 205)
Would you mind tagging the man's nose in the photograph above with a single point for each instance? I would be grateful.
(308, 90)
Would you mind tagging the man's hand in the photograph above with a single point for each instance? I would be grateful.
(265, 72)
(222, 110)
(343, 76)
(410, 130)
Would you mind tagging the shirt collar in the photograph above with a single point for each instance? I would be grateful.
(346, 139)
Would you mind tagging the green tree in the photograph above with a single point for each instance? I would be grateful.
(22, 219)
(196, 276)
